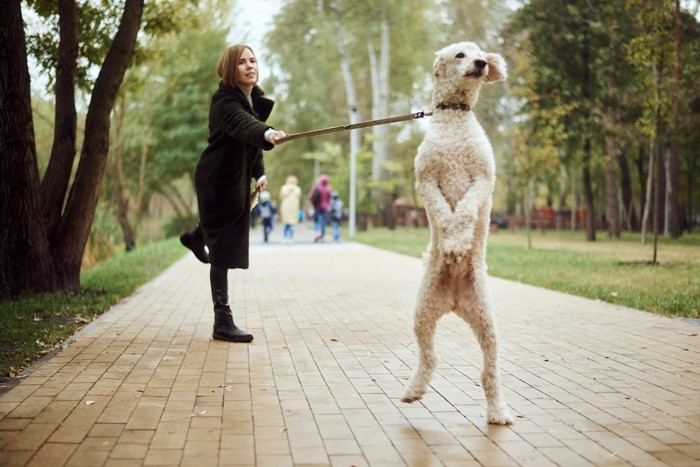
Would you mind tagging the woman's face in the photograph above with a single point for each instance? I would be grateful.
(247, 71)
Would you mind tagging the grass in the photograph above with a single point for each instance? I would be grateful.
(612, 270)
(34, 325)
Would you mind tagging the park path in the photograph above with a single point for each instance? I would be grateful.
(590, 383)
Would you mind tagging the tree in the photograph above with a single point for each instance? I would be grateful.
(342, 39)
(649, 53)
(44, 225)
(570, 79)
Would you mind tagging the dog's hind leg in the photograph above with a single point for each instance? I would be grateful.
(430, 306)
(475, 308)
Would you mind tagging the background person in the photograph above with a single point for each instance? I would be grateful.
(231, 161)
(290, 204)
(320, 197)
(267, 214)
(337, 214)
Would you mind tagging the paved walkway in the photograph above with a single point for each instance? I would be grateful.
(590, 383)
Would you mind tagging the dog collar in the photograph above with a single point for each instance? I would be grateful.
(462, 107)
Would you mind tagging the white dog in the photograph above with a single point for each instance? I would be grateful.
(455, 176)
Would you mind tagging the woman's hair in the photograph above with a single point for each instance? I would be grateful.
(227, 66)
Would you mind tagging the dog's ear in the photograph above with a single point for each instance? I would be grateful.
(498, 71)
(439, 66)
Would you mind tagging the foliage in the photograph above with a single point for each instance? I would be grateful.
(649, 52)
(306, 30)
(163, 114)
(180, 104)
(97, 24)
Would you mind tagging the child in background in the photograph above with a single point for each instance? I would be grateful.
(337, 213)
(267, 214)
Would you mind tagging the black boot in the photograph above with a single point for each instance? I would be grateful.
(224, 328)
(195, 241)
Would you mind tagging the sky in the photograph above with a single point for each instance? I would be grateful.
(252, 19)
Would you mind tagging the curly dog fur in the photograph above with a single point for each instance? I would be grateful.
(455, 177)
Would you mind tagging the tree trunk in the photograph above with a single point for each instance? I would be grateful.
(649, 190)
(587, 156)
(25, 259)
(642, 177)
(139, 207)
(528, 210)
(57, 176)
(658, 200)
(74, 226)
(654, 148)
(674, 204)
(666, 161)
(381, 133)
(612, 210)
(121, 193)
(693, 166)
(588, 190)
(353, 116)
(626, 186)
(563, 189)
(574, 199)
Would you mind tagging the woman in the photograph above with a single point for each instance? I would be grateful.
(223, 178)
(290, 203)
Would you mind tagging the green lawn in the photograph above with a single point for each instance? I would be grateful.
(615, 271)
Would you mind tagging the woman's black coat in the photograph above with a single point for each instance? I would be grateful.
(226, 168)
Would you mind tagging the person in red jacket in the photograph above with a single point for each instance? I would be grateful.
(320, 196)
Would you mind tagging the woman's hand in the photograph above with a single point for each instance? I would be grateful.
(274, 136)
(261, 184)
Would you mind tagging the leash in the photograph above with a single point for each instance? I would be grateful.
(354, 126)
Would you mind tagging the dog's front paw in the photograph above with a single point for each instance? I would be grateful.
(411, 395)
(499, 415)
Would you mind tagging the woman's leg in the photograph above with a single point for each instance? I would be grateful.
(224, 327)
(194, 240)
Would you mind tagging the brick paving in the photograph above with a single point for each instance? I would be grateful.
(590, 383)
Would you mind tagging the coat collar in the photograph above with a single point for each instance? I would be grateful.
(262, 106)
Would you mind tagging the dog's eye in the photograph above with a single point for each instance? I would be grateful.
(459, 55)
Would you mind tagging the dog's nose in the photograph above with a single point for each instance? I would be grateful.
(480, 64)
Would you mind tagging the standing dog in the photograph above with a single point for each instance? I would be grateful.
(455, 177)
